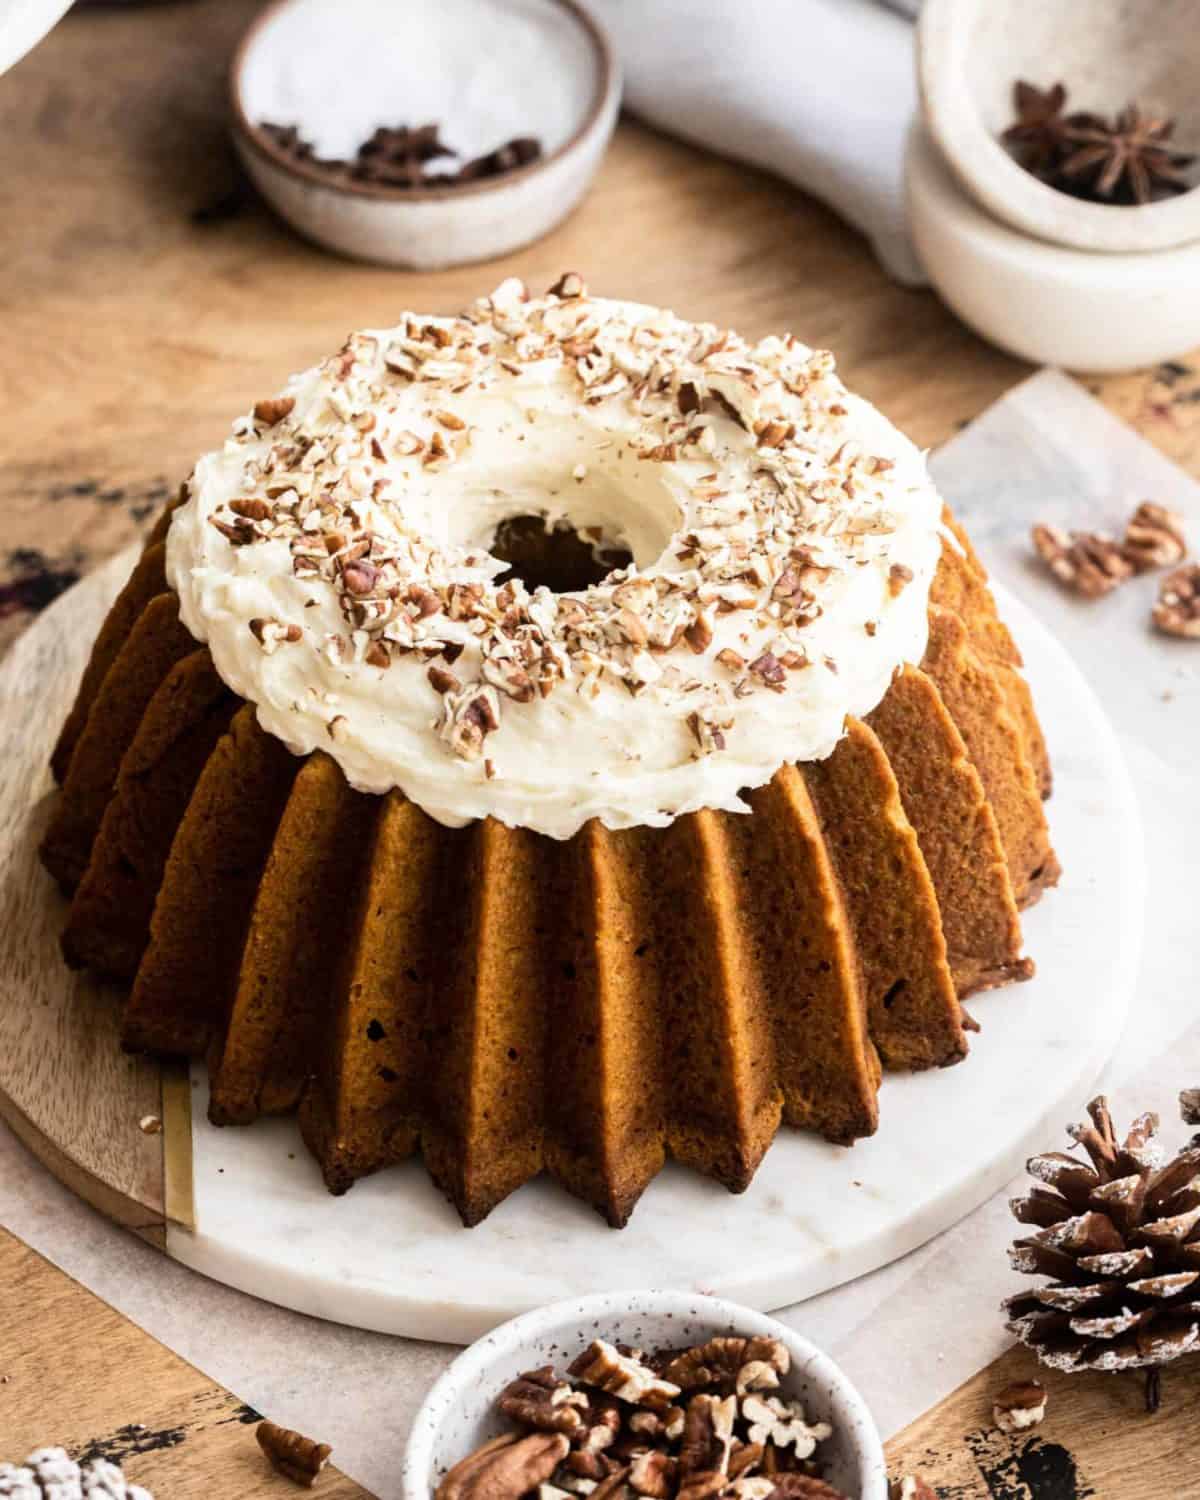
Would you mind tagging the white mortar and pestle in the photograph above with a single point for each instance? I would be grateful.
(1057, 280)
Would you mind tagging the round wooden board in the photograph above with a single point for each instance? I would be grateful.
(66, 1088)
(392, 1255)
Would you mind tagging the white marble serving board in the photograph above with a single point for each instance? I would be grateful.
(391, 1255)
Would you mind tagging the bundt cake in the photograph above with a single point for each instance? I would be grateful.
(569, 881)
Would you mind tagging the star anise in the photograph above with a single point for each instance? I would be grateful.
(1125, 161)
(1038, 135)
(1129, 161)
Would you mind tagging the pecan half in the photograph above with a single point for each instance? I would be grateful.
(541, 1401)
(505, 1468)
(1154, 538)
(1177, 611)
(653, 1474)
(1085, 561)
(782, 1423)
(707, 1435)
(737, 1364)
(622, 1375)
(291, 1453)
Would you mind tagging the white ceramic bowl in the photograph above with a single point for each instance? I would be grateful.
(23, 23)
(458, 1414)
(486, 71)
(969, 54)
(1082, 309)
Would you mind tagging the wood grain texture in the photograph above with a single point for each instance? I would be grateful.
(77, 1373)
(132, 334)
(66, 1088)
(1097, 1443)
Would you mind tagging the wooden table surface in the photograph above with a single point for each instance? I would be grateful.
(146, 298)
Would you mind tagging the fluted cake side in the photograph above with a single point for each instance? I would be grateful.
(507, 1004)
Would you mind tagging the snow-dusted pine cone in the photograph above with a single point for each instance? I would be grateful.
(1119, 1237)
(49, 1474)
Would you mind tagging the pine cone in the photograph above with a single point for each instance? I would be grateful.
(1120, 1240)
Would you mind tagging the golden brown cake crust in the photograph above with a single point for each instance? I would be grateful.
(506, 1004)
(109, 922)
(155, 643)
(913, 1011)
(945, 802)
(977, 705)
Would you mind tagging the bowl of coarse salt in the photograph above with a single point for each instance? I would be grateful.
(423, 135)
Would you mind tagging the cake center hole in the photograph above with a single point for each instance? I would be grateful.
(556, 556)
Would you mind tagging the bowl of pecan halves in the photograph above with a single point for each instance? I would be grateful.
(644, 1396)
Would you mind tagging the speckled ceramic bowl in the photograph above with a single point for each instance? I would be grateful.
(458, 1415)
(485, 71)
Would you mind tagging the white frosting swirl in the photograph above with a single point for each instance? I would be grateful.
(333, 555)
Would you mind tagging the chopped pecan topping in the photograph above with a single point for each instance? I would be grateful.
(1177, 611)
(899, 577)
(272, 411)
(1087, 562)
(293, 1454)
(251, 509)
(773, 433)
(1154, 538)
(569, 285)
(360, 576)
(239, 533)
(622, 1375)
(271, 634)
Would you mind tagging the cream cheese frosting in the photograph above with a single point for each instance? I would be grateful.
(334, 556)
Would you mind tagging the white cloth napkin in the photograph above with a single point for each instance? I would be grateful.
(820, 91)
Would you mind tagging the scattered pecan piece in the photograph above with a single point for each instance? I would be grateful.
(899, 577)
(505, 1468)
(1019, 1406)
(294, 1455)
(1085, 561)
(273, 410)
(1177, 611)
(910, 1487)
(1154, 538)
